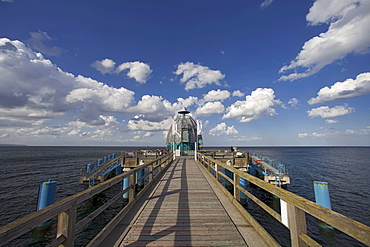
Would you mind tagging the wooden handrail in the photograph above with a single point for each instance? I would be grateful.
(353, 228)
(27, 223)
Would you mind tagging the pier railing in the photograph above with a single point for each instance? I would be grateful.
(238, 159)
(100, 169)
(66, 209)
(293, 216)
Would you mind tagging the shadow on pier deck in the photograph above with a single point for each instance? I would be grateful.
(185, 209)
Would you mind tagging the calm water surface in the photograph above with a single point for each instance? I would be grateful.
(346, 169)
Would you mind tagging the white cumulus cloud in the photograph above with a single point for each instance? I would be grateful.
(109, 98)
(104, 66)
(266, 3)
(210, 108)
(326, 112)
(145, 125)
(223, 129)
(214, 95)
(331, 121)
(33, 88)
(81, 129)
(349, 27)
(39, 42)
(154, 108)
(239, 138)
(336, 134)
(259, 104)
(349, 88)
(303, 135)
(237, 93)
(294, 102)
(324, 11)
(198, 76)
(191, 100)
(138, 70)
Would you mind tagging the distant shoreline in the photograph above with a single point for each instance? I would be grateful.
(204, 148)
(12, 145)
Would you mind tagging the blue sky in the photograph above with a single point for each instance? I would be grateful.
(273, 72)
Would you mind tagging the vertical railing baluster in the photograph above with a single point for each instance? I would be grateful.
(159, 167)
(297, 225)
(151, 172)
(131, 194)
(67, 225)
(236, 190)
(217, 169)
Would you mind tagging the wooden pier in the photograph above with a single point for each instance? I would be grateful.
(183, 203)
(185, 209)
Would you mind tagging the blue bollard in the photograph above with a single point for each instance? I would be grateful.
(243, 184)
(105, 159)
(100, 161)
(91, 182)
(118, 170)
(47, 194)
(126, 184)
(113, 156)
(252, 170)
(139, 175)
(322, 196)
(89, 167)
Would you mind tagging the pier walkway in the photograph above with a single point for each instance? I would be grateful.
(185, 209)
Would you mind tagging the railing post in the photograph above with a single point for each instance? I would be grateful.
(159, 166)
(236, 190)
(131, 194)
(284, 212)
(137, 158)
(297, 225)
(67, 225)
(217, 169)
(151, 172)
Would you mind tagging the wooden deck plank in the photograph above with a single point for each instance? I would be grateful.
(188, 225)
(195, 229)
(176, 237)
(182, 211)
(183, 243)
